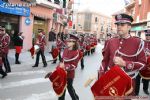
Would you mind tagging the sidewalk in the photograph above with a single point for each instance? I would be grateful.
(25, 58)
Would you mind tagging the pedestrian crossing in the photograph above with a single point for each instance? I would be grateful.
(26, 73)
(16, 85)
(23, 83)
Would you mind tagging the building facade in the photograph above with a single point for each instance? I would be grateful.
(140, 10)
(93, 23)
(28, 16)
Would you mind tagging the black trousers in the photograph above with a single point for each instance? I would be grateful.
(92, 51)
(145, 84)
(82, 63)
(6, 63)
(137, 86)
(71, 91)
(60, 56)
(1, 71)
(60, 59)
(40, 52)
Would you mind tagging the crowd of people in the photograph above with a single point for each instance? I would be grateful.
(130, 53)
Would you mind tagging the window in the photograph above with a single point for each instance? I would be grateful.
(56, 1)
(96, 19)
(148, 16)
(137, 19)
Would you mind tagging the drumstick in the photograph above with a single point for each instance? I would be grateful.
(50, 60)
(89, 81)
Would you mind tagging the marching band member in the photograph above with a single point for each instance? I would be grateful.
(70, 59)
(1, 64)
(82, 49)
(145, 72)
(59, 44)
(88, 46)
(95, 42)
(55, 52)
(125, 51)
(92, 44)
(18, 42)
(1, 55)
(4, 47)
(41, 42)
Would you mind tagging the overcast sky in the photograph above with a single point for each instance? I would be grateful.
(106, 7)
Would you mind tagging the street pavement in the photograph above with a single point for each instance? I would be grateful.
(27, 83)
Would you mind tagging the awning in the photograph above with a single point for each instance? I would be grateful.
(42, 12)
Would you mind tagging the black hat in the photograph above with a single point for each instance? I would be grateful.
(123, 18)
(72, 36)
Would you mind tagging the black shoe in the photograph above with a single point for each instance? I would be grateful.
(53, 62)
(35, 66)
(146, 92)
(4, 75)
(17, 62)
(8, 71)
(45, 65)
(82, 68)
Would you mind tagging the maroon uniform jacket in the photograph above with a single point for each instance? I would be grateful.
(87, 41)
(145, 72)
(92, 44)
(4, 43)
(41, 41)
(59, 44)
(95, 41)
(1, 62)
(70, 59)
(131, 49)
(82, 45)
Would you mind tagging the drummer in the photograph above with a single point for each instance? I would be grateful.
(138, 78)
(125, 51)
(41, 42)
(70, 61)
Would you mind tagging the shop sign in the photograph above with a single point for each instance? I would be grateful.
(137, 28)
(27, 21)
(14, 9)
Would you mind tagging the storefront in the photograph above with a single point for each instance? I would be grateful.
(42, 19)
(138, 30)
(10, 17)
(40, 23)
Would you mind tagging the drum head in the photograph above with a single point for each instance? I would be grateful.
(36, 48)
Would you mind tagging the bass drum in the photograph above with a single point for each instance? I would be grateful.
(145, 73)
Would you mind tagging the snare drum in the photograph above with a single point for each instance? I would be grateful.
(36, 48)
